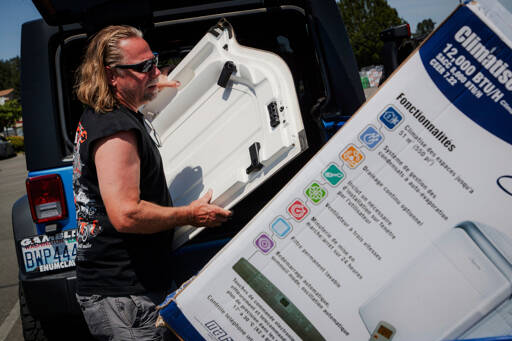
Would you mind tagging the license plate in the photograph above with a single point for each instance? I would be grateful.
(45, 253)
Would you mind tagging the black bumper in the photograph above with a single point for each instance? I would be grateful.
(51, 295)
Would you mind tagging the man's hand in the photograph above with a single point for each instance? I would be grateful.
(164, 82)
(205, 214)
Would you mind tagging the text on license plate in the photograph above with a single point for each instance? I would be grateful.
(46, 253)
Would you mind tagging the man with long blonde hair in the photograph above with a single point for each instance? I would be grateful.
(124, 211)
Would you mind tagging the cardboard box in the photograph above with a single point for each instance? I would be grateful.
(399, 228)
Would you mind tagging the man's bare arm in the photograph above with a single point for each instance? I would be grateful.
(118, 168)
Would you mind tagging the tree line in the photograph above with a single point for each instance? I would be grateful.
(365, 19)
(10, 112)
(10, 75)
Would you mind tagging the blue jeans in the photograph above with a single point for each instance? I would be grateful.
(124, 318)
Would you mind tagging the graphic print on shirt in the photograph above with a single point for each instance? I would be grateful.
(87, 209)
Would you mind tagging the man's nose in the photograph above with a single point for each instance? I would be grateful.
(155, 72)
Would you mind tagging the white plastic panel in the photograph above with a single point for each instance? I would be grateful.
(497, 323)
(206, 130)
(465, 277)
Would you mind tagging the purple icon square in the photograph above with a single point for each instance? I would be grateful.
(264, 243)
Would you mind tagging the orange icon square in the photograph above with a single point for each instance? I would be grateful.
(352, 156)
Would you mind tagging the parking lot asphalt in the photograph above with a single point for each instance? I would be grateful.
(12, 186)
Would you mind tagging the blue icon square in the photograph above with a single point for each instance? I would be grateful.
(391, 118)
(370, 137)
(281, 227)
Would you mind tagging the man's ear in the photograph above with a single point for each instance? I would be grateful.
(111, 76)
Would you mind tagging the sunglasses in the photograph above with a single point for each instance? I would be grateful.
(144, 67)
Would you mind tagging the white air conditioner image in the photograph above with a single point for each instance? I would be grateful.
(459, 288)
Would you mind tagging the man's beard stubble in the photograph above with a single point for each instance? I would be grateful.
(150, 94)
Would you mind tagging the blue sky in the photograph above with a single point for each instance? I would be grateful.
(12, 14)
(414, 11)
(15, 12)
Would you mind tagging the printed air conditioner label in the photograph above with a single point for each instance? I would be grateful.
(410, 199)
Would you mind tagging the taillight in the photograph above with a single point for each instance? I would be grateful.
(46, 198)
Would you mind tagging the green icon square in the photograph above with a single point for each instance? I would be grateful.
(315, 193)
(333, 175)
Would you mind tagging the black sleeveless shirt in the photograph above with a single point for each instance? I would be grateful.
(109, 262)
